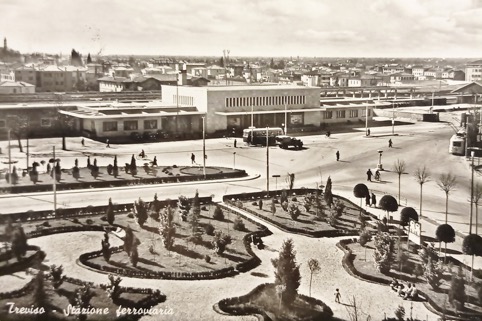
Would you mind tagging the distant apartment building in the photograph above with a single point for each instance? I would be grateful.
(418, 72)
(311, 79)
(16, 87)
(53, 78)
(215, 72)
(473, 71)
(401, 77)
(433, 73)
(393, 68)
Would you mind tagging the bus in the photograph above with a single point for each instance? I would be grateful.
(457, 144)
(257, 136)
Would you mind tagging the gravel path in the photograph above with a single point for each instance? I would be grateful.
(194, 300)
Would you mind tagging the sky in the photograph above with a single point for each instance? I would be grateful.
(270, 28)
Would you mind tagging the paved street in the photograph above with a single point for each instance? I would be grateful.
(418, 144)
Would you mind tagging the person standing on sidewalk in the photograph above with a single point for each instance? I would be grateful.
(367, 200)
(235, 143)
(107, 142)
(193, 158)
(369, 175)
(337, 296)
(374, 200)
(337, 155)
(390, 143)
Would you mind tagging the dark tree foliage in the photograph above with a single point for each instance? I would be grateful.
(33, 174)
(220, 242)
(472, 245)
(195, 213)
(167, 228)
(128, 240)
(14, 176)
(115, 168)
(155, 208)
(134, 253)
(287, 272)
(89, 59)
(19, 243)
(56, 275)
(218, 213)
(184, 206)
(328, 195)
(445, 233)
(388, 203)
(140, 211)
(457, 295)
(360, 191)
(110, 212)
(106, 248)
(18, 125)
(39, 298)
(75, 58)
(133, 166)
(82, 297)
(407, 214)
(76, 172)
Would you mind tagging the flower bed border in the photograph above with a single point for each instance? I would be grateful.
(300, 191)
(244, 266)
(25, 263)
(15, 189)
(347, 263)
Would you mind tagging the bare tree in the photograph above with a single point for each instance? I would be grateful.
(422, 175)
(314, 266)
(399, 169)
(447, 183)
(355, 312)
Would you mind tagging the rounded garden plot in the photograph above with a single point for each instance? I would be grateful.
(194, 253)
(199, 170)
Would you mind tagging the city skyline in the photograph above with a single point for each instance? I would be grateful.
(307, 28)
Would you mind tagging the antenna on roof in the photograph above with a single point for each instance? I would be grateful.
(225, 62)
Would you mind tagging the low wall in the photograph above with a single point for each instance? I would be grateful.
(414, 116)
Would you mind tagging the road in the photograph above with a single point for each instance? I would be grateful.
(419, 144)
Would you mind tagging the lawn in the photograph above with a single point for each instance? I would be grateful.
(186, 255)
(311, 218)
(59, 300)
(364, 262)
(265, 299)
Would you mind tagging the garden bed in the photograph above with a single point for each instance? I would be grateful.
(315, 221)
(145, 175)
(359, 260)
(264, 300)
(58, 300)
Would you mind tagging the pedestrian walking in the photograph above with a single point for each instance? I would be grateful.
(390, 143)
(367, 200)
(154, 161)
(193, 158)
(235, 143)
(107, 142)
(368, 132)
(337, 296)
(83, 142)
(337, 155)
(369, 175)
(374, 200)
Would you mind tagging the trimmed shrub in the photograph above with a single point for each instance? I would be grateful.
(207, 258)
(218, 214)
(238, 224)
(209, 229)
(89, 221)
(364, 238)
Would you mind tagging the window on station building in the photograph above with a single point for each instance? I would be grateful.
(150, 124)
(130, 125)
(109, 126)
(353, 113)
(340, 114)
(3, 123)
(327, 114)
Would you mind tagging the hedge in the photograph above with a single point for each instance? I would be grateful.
(25, 263)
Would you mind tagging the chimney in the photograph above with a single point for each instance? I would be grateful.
(182, 78)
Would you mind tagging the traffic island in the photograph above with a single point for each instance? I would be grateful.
(105, 177)
(265, 300)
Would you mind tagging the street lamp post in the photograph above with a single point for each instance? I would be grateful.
(366, 120)
(286, 118)
(204, 146)
(472, 154)
(252, 116)
(234, 160)
(393, 117)
(380, 166)
(267, 160)
(54, 184)
(9, 158)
